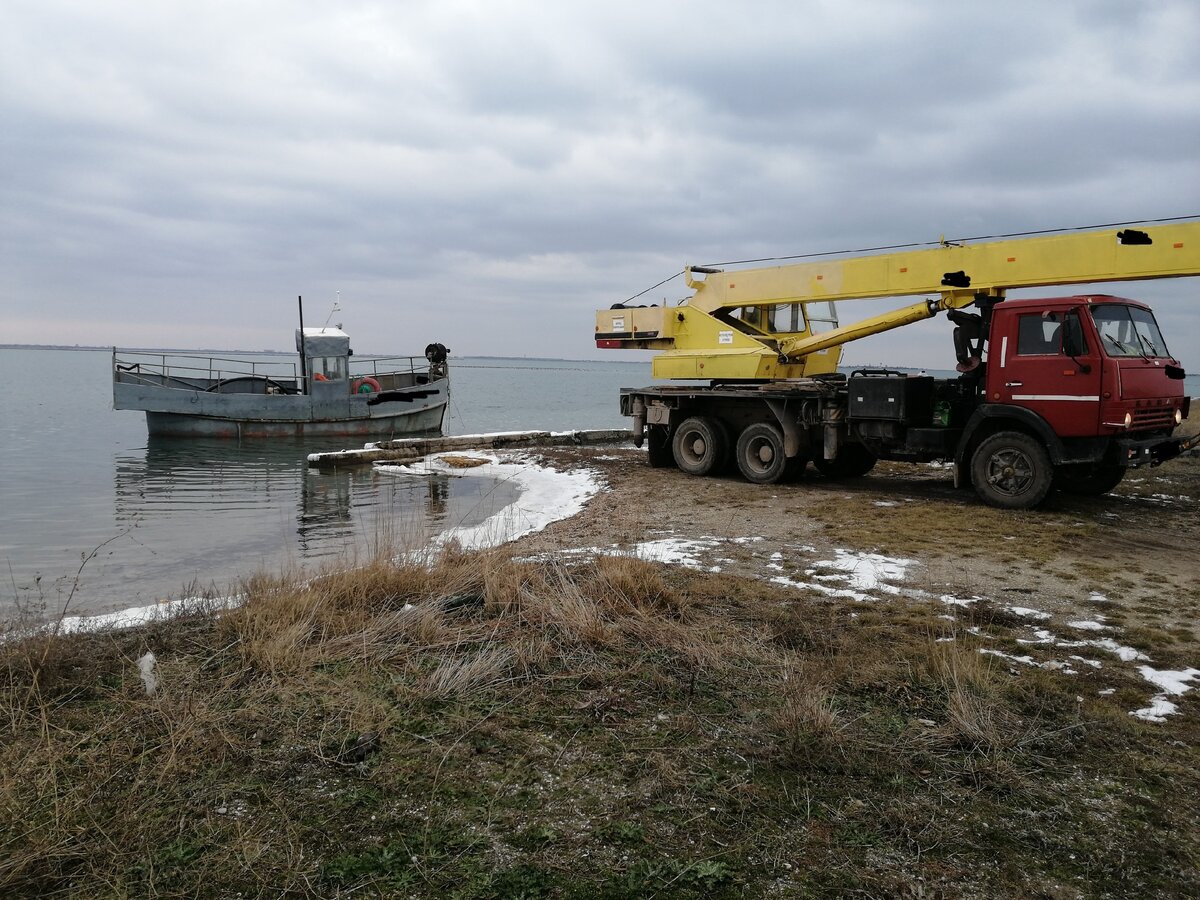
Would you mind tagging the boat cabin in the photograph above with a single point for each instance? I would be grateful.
(326, 354)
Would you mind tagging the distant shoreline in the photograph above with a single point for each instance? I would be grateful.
(108, 349)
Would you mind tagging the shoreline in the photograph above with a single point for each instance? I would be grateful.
(544, 495)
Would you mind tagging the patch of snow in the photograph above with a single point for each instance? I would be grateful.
(136, 616)
(867, 571)
(1028, 613)
(1097, 597)
(816, 586)
(675, 551)
(1054, 665)
(1172, 683)
(1027, 660)
(951, 600)
(1087, 625)
(546, 495)
(1125, 654)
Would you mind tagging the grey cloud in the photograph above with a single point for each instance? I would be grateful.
(456, 166)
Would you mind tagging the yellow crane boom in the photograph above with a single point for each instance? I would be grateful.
(779, 322)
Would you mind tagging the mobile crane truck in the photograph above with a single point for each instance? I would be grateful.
(1060, 393)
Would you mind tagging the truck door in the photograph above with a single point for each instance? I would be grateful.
(1049, 365)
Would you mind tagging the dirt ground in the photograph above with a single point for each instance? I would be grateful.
(1123, 566)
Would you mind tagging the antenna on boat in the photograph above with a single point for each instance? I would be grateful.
(337, 307)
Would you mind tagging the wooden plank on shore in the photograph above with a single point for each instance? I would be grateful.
(408, 449)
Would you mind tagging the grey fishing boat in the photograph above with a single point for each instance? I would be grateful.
(328, 391)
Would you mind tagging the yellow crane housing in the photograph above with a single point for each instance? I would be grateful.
(780, 322)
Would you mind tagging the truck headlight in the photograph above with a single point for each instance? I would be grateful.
(1128, 419)
(1178, 416)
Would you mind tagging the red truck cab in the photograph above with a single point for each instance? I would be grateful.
(1090, 366)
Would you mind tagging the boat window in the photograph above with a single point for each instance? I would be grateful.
(1128, 331)
(331, 368)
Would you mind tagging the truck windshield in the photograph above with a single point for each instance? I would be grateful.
(1128, 331)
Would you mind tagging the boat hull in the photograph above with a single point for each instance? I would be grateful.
(407, 424)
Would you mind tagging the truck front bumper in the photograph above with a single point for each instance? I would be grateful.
(1132, 453)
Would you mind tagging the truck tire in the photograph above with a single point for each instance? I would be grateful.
(658, 447)
(760, 455)
(1011, 470)
(853, 461)
(1088, 481)
(700, 445)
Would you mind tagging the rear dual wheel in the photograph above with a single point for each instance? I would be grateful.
(700, 445)
(853, 461)
(760, 454)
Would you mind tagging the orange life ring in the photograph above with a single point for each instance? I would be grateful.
(366, 385)
(317, 376)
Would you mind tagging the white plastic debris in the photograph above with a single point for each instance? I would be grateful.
(146, 670)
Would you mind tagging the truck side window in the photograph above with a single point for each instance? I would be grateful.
(1038, 336)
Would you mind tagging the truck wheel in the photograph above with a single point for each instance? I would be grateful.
(760, 454)
(1011, 470)
(853, 461)
(700, 445)
(1088, 481)
(658, 447)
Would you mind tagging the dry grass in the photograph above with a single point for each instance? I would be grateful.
(480, 726)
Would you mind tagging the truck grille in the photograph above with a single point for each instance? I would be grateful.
(1147, 419)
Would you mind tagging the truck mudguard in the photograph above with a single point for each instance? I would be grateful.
(988, 415)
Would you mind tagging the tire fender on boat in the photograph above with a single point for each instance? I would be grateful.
(366, 385)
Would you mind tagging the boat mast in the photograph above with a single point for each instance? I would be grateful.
(303, 365)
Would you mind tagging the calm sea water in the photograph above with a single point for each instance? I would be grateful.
(168, 518)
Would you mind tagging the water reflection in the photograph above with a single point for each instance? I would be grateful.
(205, 511)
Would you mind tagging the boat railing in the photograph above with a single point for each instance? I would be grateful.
(185, 371)
(362, 366)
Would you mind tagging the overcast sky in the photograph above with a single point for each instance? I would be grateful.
(487, 174)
